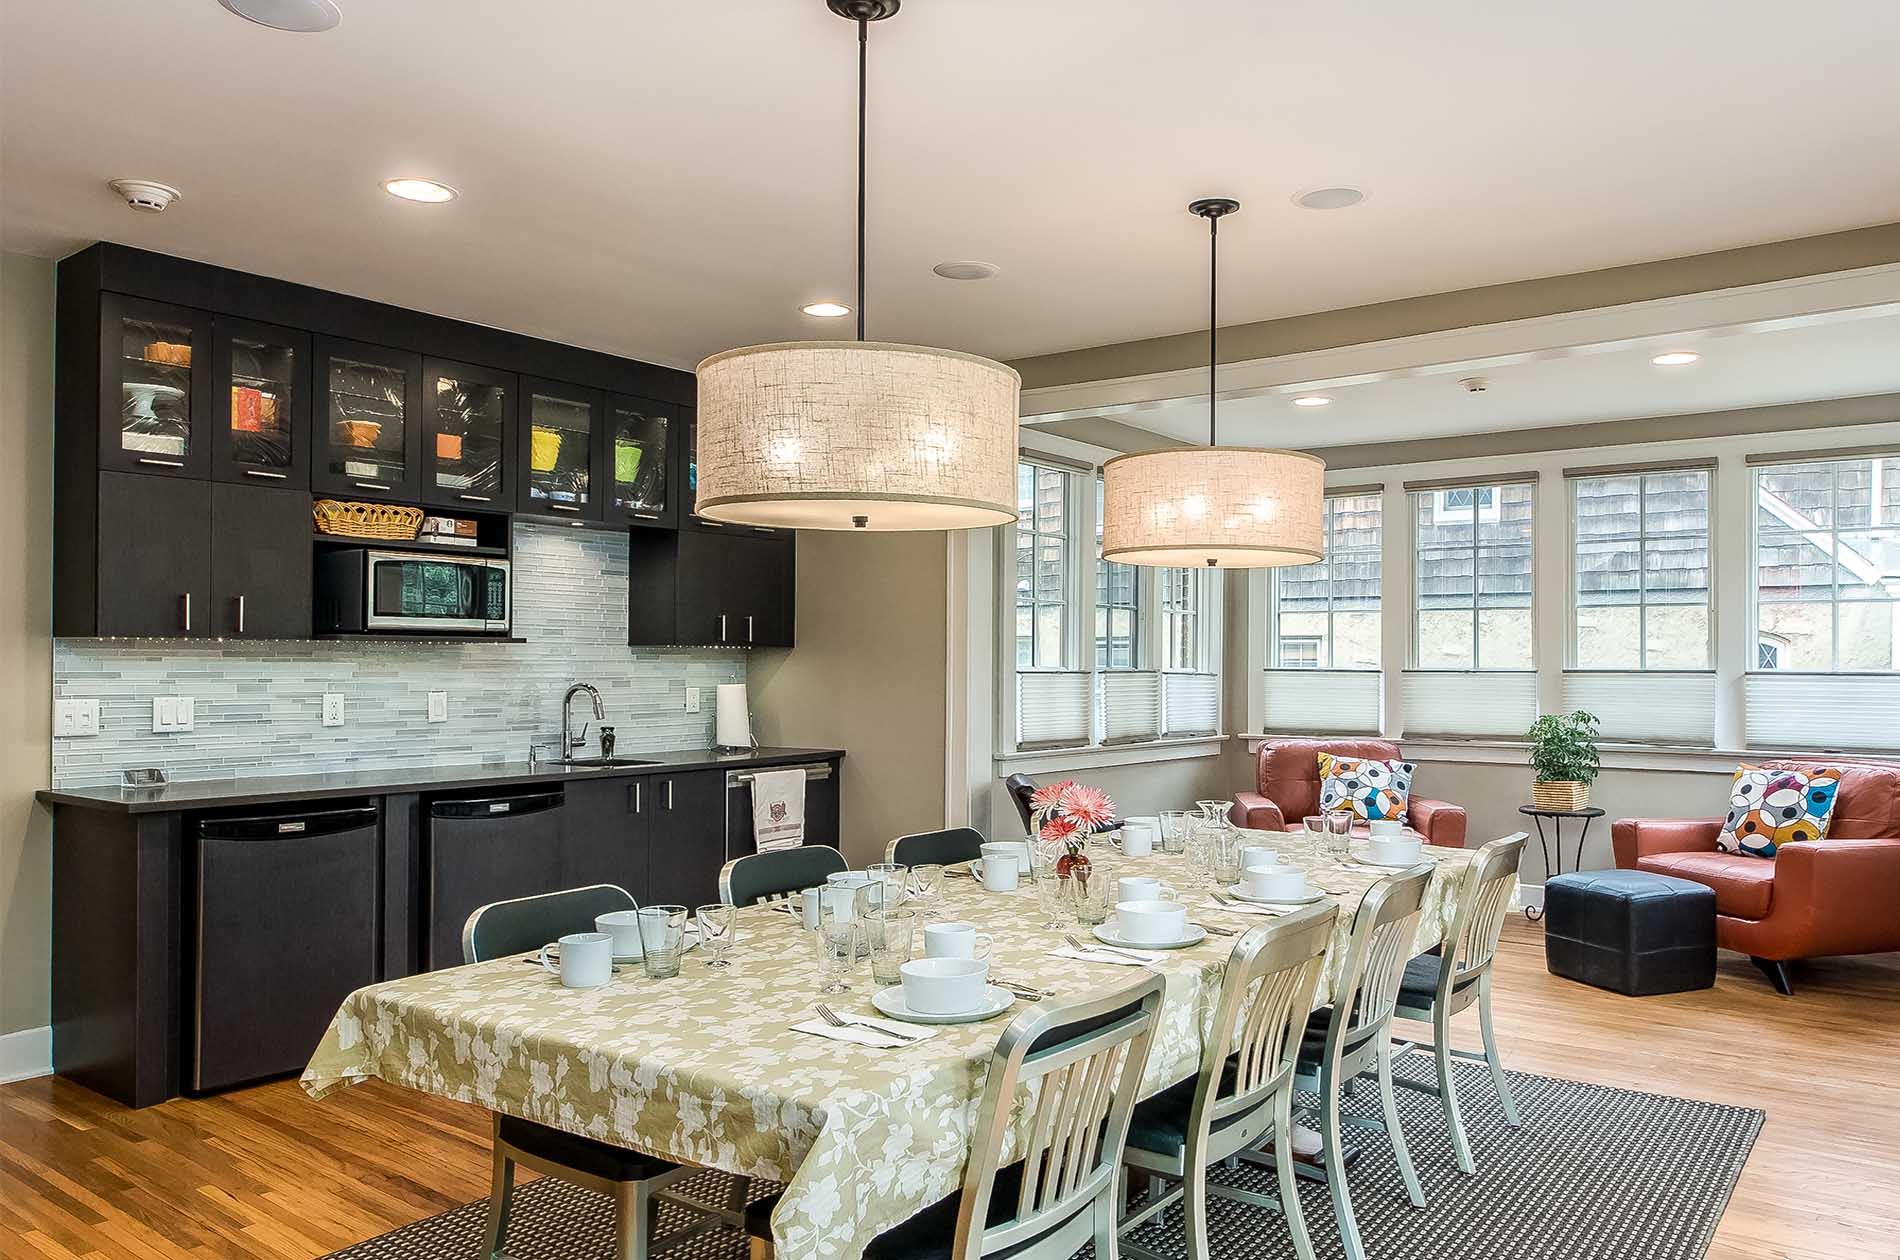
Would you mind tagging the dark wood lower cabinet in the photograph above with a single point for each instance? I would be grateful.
(604, 835)
(686, 846)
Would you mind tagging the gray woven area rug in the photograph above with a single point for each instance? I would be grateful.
(1594, 1174)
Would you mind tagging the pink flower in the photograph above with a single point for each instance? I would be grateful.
(1087, 806)
(1058, 828)
(1044, 799)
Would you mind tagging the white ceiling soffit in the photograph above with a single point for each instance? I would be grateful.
(1792, 340)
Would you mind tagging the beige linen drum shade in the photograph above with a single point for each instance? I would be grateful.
(1229, 507)
(857, 435)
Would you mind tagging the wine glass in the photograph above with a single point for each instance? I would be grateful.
(837, 939)
(1051, 888)
(715, 933)
(926, 882)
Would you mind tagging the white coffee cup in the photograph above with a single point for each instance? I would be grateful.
(1141, 888)
(1391, 828)
(945, 986)
(624, 927)
(1137, 837)
(1160, 921)
(1002, 868)
(956, 940)
(587, 959)
(1275, 883)
(1257, 855)
(1394, 849)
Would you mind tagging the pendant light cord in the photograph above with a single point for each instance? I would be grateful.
(1213, 320)
(864, 32)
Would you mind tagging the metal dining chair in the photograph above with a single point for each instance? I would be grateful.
(1074, 1070)
(778, 874)
(632, 1180)
(1239, 1097)
(958, 844)
(1357, 1036)
(1438, 985)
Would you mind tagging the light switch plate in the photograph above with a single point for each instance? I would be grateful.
(692, 699)
(333, 708)
(171, 713)
(438, 706)
(75, 718)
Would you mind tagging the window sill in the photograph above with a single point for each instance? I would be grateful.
(1687, 758)
(1096, 756)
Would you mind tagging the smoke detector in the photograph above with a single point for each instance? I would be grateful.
(144, 195)
(1475, 384)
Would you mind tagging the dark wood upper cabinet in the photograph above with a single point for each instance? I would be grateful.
(689, 481)
(154, 561)
(260, 563)
(692, 588)
(154, 387)
(559, 459)
(260, 414)
(640, 455)
(468, 435)
(367, 425)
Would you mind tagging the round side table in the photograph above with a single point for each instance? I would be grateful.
(1553, 843)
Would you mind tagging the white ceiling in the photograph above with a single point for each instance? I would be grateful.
(667, 180)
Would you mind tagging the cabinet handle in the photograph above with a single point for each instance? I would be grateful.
(709, 524)
(646, 516)
(562, 507)
(722, 627)
(257, 472)
(748, 627)
(475, 498)
(240, 614)
(636, 796)
(162, 463)
(371, 485)
(187, 598)
(669, 794)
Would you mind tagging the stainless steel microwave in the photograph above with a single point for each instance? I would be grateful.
(360, 591)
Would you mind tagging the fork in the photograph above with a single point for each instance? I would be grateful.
(1214, 930)
(838, 1021)
(1075, 942)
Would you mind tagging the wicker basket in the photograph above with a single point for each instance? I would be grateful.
(366, 520)
(1565, 794)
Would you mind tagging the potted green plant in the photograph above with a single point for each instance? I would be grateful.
(1564, 756)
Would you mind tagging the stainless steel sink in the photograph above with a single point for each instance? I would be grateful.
(603, 763)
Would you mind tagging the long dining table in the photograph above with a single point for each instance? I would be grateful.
(706, 1069)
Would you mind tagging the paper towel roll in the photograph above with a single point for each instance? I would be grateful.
(732, 720)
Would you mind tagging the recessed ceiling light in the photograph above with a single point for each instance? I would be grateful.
(427, 190)
(1336, 198)
(1675, 358)
(826, 310)
(970, 270)
(1312, 400)
(302, 16)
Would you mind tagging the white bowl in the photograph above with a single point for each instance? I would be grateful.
(1275, 883)
(945, 986)
(1151, 920)
(1392, 850)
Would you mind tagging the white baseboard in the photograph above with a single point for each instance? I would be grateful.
(1530, 895)
(26, 1054)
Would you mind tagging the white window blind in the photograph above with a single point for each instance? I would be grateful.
(1823, 711)
(1190, 704)
(1342, 701)
(1131, 705)
(1651, 706)
(1468, 702)
(1052, 709)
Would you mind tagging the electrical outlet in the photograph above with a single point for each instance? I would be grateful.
(172, 713)
(333, 708)
(75, 718)
(692, 699)
(438, 706)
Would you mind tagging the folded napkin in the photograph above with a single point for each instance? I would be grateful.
(900, 1034)
(1247, 907)
(1148, 957)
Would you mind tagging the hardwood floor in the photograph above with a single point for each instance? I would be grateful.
(267, 1173)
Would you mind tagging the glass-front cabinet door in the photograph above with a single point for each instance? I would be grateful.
(559, 459)
(469, 427)
(155, 387)
(690, 462)
(640, 440)
(260, 429)
(368, 422)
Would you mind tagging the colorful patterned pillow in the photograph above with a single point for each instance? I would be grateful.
(1369, 788)
(1770, 808)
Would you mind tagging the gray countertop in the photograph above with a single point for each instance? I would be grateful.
(273, 789)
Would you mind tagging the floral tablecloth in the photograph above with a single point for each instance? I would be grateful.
(705, 1068)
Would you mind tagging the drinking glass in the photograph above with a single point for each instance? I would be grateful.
(1200, 847)
(715, 933)
(1339, 833)
(662, 936)
(926, 882)
(1174, 824)
(837, 937)
(893, 936)
(1051, 888)
(1092, 898)
(1224, 866)
(890, 877)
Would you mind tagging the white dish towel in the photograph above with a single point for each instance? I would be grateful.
(778, 809)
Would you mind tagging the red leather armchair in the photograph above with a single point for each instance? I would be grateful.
(1816, 898)
(1287, 776)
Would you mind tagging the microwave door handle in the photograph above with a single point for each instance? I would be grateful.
(466, 584)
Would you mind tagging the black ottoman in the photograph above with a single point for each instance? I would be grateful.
(1632, 932)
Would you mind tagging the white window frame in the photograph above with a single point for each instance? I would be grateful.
(1412, 611)
(1140, 649)
(1441, 505)
(1071, 645)
(1572, 603)
(1325, 661)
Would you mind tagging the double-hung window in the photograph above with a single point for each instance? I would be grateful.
(1323, 649)
(1052, 694)
(1190, 681)
(1825, 556)
(1472, 582)
(1640, 635)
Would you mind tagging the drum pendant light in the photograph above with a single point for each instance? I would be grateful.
(857, 434)
(1220, 507)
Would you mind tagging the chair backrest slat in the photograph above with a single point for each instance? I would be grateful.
(1384, 929)
(516, 926)
(958, 844)
(1271, 975)
(1484, 902)
(778, 874)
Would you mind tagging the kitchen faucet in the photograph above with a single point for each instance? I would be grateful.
(571, 744)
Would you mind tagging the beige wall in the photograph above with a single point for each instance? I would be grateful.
(26, 664)
(867, 676)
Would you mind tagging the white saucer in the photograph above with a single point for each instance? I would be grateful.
(1110, 934)
(1369, 860)
(1250, 899)
(890, 1002)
